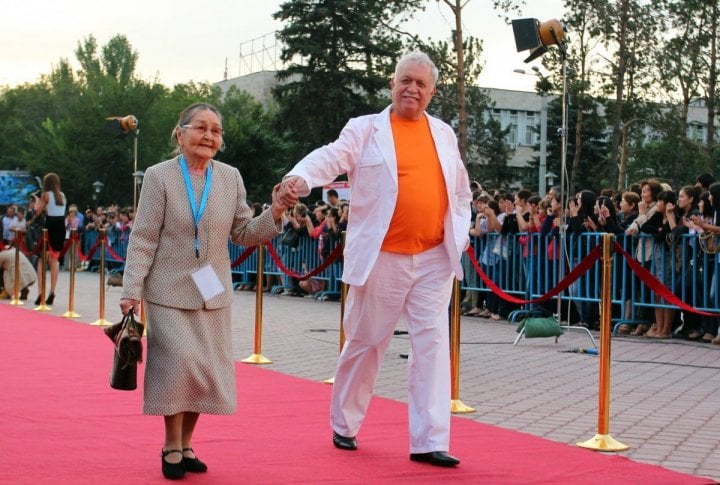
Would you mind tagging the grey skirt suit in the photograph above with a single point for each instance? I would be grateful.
(189, 361)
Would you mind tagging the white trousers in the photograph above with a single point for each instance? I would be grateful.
(417, 287)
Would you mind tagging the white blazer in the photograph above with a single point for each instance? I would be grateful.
(366, 152)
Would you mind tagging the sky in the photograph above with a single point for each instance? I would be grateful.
(183, 41)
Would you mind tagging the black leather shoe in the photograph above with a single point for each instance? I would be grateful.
(344, 443)
(437, 458)
(24, 294)
(193, 464)
(172, 471)
(50, 299)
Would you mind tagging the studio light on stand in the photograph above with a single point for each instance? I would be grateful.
(531, 34)
(119, 127)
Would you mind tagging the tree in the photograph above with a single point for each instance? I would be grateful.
(492, 147)
(457, 6)
(251, 146)
(340, 55)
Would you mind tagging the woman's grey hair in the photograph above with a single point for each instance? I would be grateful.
(418, 58)
(186, 118)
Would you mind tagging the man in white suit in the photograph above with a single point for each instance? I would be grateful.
(407, 228)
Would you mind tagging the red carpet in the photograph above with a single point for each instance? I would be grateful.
(61, 423)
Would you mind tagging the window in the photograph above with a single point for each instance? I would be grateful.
(512, 136)
(530, 128)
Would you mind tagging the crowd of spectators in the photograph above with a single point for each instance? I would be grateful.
(503, 224)
(115, 220)
(650, 218)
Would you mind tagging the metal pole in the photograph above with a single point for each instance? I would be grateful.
(257, 357)
(456, 405)
(542, 187)
(602, 441)
(73, 253)
(563, 176)
(343, 298)
(101, 320)
(134, 174)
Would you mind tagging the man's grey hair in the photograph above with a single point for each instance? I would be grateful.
(418, 58)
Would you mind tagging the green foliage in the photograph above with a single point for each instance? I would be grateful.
(340, 56)
(58, 124)
(251, 145)
(492, 148)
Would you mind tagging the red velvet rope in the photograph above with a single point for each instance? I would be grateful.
(114, 254)
(64, 249)
(90, 253)
(334, 255)
(241, 259)
(576, 273)
(655, 285)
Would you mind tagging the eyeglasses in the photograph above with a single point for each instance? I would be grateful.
(202, 129)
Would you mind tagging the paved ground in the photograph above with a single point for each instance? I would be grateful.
(665, 395)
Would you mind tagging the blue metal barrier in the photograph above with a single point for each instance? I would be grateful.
(116, 240)
(301, 260)
(522, 265)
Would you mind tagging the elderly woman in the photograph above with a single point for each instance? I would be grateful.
(177, 261)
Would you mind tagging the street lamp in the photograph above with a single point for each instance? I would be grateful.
(97, 187)
(138, 177)
(542, 189)
(550, 177)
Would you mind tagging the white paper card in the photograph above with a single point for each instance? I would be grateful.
(207, 282)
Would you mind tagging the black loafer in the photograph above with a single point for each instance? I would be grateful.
(172, 471)
(344, 443)
(437, 458)
(193, 464)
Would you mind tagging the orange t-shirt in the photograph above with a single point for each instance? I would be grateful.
(418, 221)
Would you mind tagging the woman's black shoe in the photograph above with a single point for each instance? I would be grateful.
(24, 294)
(193, 464)
(37, 300)
(50, 299)
(172, 471)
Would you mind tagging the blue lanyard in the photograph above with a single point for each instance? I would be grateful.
(197, 213)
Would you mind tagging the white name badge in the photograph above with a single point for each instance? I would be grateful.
(207, 282)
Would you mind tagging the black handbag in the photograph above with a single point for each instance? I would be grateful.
(127, 337)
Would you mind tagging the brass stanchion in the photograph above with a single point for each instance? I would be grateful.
(257, 357)
(43, 262)
(456, 405)
(101, 320)
(71, 298)
(343, 298)
(602, 441)
(16, 292)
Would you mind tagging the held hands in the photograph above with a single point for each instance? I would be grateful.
(284, 195)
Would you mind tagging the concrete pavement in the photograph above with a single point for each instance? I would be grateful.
(665, 394)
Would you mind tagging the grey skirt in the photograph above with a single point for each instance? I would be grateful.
(189, 361)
